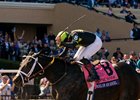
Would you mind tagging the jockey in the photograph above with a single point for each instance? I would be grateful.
(89, 44)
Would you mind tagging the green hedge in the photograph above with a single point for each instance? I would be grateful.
(8, 64)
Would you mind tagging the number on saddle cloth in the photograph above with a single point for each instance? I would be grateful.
(105, 65)
(108, 75)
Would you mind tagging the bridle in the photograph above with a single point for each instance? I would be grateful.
(29, 75)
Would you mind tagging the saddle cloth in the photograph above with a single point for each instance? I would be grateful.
(107, 74)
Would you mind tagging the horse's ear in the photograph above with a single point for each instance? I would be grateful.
(24, 56)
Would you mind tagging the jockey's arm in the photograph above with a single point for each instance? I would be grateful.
(69, 44)
(64, 52)
(66, 46)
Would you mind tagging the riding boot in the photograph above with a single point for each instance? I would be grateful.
(93, 76)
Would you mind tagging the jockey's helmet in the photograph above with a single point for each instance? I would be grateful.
(62, 35)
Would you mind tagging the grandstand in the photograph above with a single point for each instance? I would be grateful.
(40, 18)
(116, 11)
(56, 17)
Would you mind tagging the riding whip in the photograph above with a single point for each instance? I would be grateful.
(73, 22)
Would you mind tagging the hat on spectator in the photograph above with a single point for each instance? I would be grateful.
(5, 77)
(118, 49)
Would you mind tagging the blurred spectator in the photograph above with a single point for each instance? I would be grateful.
(35, 48)
(17, 53)
(98, 33)
(46, 49)
(20, 37)
(53, 47)
(5, 88)
(118, 54)
(135, 32)
(130, 17)
(1, 37)
(138, 66)
(124, 11)
(5, 49)
(51, 37)
(114, 61)
(125, 3)
(40, 44)
(110, 12)
(103, 53)
(12, 52)
(91, 3)
(71, 52)
(112, 3)
(45, 39)
(23, 48)
(35, 40)
(132, 61)
(125, 58)
(44, 88)
(134, 3)
(105, 36)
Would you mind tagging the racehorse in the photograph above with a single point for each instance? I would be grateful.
(68, 81)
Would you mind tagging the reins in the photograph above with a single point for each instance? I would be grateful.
(42, 69)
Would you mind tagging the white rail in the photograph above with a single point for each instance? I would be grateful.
(8, 71)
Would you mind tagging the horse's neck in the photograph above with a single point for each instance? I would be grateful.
(56, 70)
(73, 82)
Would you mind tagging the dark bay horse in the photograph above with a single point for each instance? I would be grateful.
(68, 81)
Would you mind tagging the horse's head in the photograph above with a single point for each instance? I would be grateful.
(31, 66)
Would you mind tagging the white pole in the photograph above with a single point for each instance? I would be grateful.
(8, 71)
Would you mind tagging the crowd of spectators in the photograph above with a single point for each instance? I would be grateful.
(14, 50)
(117, 3)
(131, 58)
(104, 35)
(90, 3)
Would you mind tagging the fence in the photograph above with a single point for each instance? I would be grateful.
(18, 97)
(20, 94)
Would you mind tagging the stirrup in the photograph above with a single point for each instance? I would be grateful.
(73, 62)
(79, 62)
